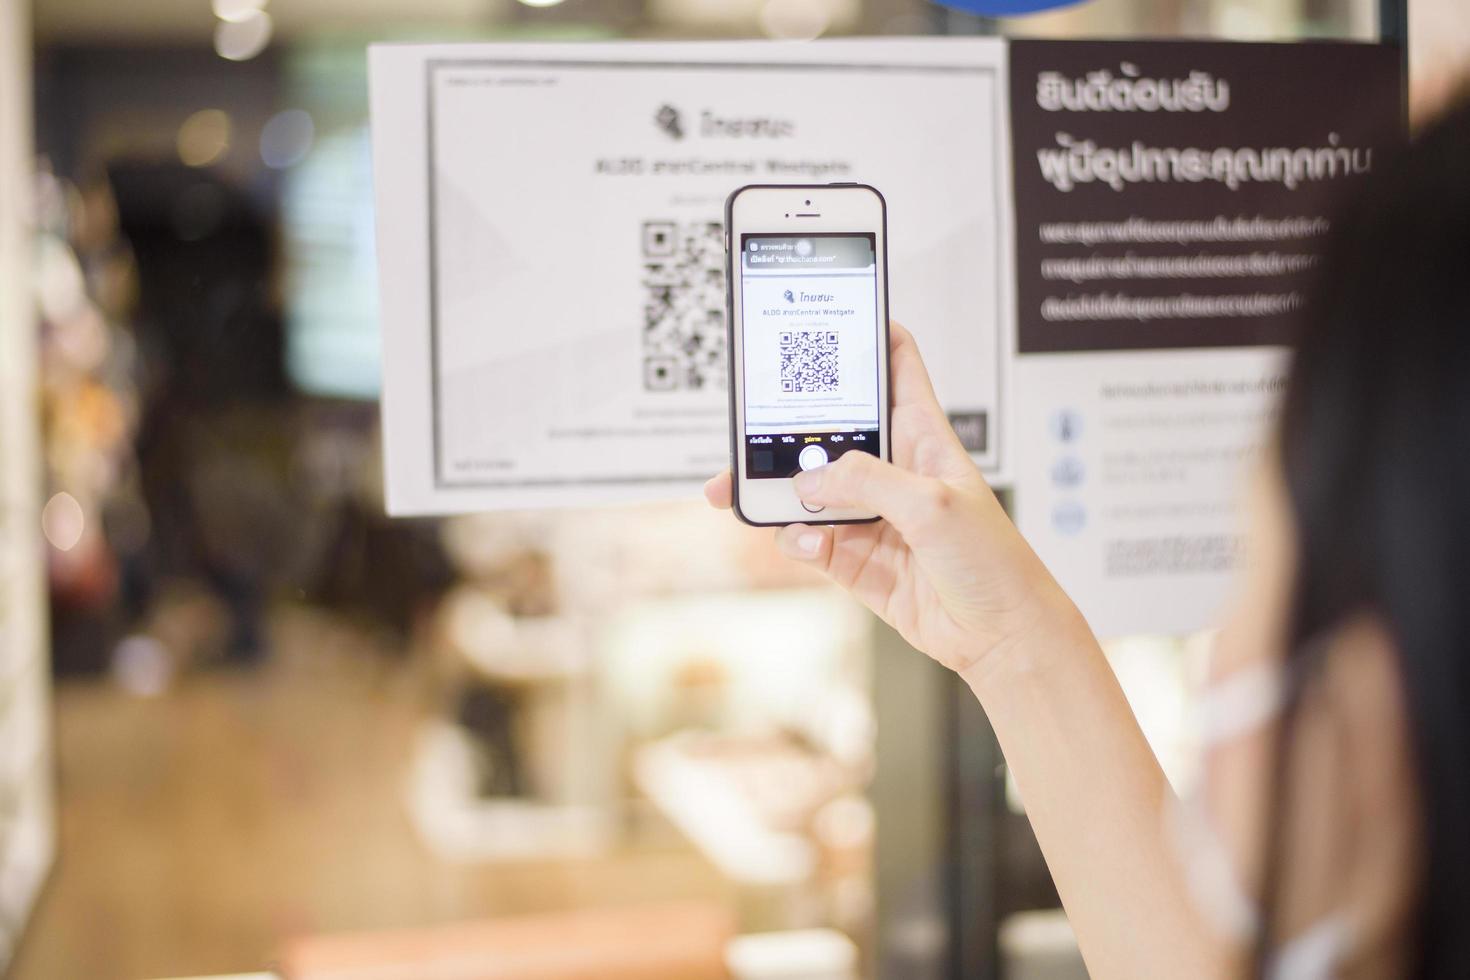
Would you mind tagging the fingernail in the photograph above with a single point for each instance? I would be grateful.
(810, 542)
(808, 482)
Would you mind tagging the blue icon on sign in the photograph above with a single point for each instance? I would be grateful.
(1066, 426)
(1068, 517)
(1067, 472)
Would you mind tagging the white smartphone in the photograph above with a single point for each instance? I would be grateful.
(807, 280)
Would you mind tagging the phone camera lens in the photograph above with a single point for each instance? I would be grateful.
(808, 203)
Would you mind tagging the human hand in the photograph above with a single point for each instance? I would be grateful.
(945, 567)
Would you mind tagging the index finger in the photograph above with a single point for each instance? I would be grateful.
(717, 490)
(910, 378)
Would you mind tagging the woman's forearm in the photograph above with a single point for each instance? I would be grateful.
(1095, 795)
(948, 569)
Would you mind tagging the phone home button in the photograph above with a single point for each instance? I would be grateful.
(810, 509)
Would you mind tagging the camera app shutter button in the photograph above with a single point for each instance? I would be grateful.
(811, 457)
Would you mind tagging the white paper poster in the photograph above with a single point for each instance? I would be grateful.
(1130, 477)
(551, 246)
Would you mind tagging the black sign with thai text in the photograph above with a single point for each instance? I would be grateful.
(1177, 194)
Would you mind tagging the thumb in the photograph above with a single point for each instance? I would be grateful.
(862, 481)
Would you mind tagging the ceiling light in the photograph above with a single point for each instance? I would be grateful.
(795, 20)
(235, 11)
(241, 40)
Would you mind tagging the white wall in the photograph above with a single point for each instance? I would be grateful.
(27, 821)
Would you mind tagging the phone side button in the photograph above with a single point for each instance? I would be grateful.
(811, 510)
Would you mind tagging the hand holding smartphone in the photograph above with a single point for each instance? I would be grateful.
(807, 299)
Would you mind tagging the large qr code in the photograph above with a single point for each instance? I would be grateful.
(809, 360)
(684, 305)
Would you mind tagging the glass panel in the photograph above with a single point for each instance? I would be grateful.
(282, 716)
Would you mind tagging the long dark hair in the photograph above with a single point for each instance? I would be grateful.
(1375, 448)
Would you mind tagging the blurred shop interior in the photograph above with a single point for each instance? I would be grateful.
(286, 731)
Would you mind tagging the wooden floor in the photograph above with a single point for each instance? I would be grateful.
(200, 828)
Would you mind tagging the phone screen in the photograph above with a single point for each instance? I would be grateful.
(810, 330)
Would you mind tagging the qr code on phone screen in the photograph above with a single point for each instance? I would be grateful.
(684, 305)
(809, 360)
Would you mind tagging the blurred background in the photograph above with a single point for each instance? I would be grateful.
(271, 716)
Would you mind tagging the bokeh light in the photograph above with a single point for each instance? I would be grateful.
(286, 138)
(243, 39)
(235, 11)
(204, 137)
(795, 20)
(60, 286)
(142, 666)
(62, 521)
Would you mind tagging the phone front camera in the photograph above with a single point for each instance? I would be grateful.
(808, 203)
